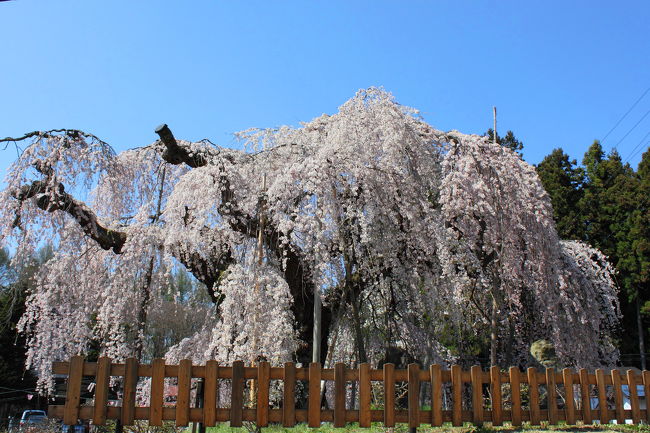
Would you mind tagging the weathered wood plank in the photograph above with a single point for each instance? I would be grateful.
(618, 396)
(533, 397)
(364, 395)
(585, 396)
(634, 397)
(515, 393)
(389, 396)
(551, 399)
(289, 395)
(73, 391)
(237, 395)
(339, 394)
(263, 387)
(457, 396)
(157, 391)
(128, 398)
(183, 397)
(313, 410)
(477, 394)
(569, 410)
(102, 382)
(210, 393)
(602, 396)
(414, 395)
(436, 395)
(495, 390)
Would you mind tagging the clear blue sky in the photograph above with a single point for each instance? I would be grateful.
(560, 73)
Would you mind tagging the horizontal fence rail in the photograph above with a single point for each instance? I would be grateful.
(456, 395)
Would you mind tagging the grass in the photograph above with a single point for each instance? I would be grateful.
(467, 428)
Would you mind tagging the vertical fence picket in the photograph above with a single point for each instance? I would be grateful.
(602, 396)
(102, 382)
(313, 410)
(389, 396)
(634, 397)
(457, 395)
(515, 396)
(364, 395)
(436, 395)
(533, 396)
(339, 394)
(263, 386)
(569, 405)
(618, 396)
(495, 390)
(289, 395)
(73, 391)
(157, 390)
(414, 395)
(585, 395)
(210, 394)
(646, 392)
(183, 396)
(237, 394)
(128, 398)
(476, 374)
(551, 396)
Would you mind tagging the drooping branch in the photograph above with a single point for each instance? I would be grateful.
(51, 198)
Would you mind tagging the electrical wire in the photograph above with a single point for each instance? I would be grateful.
(625, 115)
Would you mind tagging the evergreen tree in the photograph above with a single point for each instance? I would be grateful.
(509, 141)
(563, 181)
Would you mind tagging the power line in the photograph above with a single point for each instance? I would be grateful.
(625, 115)
(632, 152)
(632, 128)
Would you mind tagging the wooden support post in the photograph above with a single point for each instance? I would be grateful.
(364, 395)
(551, 398)
(389, 396)
(495, 390)
(569, 411)
(515, 392)
(602, 396)
(183, 398)
(618, 396)
(263, 386)
(313, 411)
(533, 396)
(585, 395)
(210, 396)
(414, 395)
(102, 382)
(289, 395)
(237, 394)
(436, 395)
(457, 396)
(130, 383)
(634, 397)
(157, 391)
(73, 391)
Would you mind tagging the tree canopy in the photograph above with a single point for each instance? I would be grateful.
(434, 243)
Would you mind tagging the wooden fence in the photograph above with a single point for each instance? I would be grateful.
(476, 395)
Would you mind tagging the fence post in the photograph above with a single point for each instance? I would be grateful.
(289, 395)
(436, 395)
(263, 384)
(73, 391)
(157, 390)
(102, 379)
(585, 394)
(618, 396)
(313, 410)
(567, 379)
(364, 395)
(602, 396)
(634, 398)
(389, 395)
(128, 399)
(457, 395)
(236, 396)
(476, 373)
(183, 397)
(495, 385)
(551, 396)
(533, 396)
(515, 392)
(210, 393)
(414, 395)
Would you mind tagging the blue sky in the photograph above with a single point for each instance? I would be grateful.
(560, 73)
